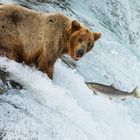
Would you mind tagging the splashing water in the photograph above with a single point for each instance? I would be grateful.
(66, 109)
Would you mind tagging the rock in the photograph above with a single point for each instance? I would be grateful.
(7, 83)
(1, 91)
(68, 62)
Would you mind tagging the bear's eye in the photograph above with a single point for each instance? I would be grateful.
(89, 43)
(80, 40)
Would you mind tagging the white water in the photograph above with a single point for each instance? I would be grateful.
(92, 117)
(65, 109)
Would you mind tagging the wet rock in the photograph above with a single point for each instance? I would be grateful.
(68, 62)
(1, 91)
(48, 1)
(2, 134)
(7, 83)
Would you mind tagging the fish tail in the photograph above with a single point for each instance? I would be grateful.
(136, 92)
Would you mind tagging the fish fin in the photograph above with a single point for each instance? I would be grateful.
(113, 85)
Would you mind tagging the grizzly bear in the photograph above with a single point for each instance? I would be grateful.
(41, 38)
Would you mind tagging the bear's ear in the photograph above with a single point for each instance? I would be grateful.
(97, 35)
(75, 25)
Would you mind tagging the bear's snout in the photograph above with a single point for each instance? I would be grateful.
(80, 52)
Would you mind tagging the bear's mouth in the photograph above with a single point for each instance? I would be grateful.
(79, 53)
(77, 57)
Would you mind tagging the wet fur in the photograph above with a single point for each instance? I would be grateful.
(35, 37)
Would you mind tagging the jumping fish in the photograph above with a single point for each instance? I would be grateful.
(111, 92)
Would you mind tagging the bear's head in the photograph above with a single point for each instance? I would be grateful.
(81, 40)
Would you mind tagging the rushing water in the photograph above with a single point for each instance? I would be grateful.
(65, 109)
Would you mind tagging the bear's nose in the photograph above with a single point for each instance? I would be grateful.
(80, 52)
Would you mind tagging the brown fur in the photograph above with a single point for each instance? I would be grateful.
(40, 38)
